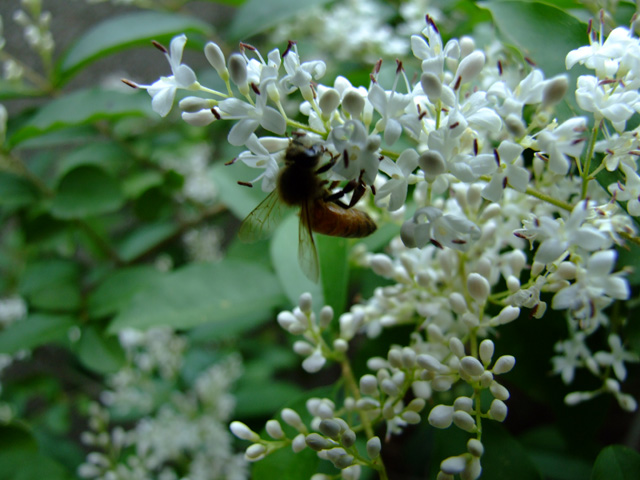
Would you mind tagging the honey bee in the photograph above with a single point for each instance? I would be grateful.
(321, 211)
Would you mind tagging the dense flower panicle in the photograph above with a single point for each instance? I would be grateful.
(503, 213)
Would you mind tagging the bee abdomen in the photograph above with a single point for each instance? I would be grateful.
(331, 219)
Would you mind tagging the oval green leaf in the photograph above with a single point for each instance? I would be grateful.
(86, 191)
(123, 32)
(201, 293)
(617, 462)
(33, 331)
(82, 107)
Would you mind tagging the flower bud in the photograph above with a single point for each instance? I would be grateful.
(194, 104)
(471, 366)
(441, 416)
(470, 66)
(381, 265)
(498, 410)
(432, 164)
(431, 86)
(317, 442)
(330, 428)
(243, 432)
(305, 302)
(255, 452)
(298, 444)
(475, 447)
(326, 316)
(368, 384)
(429, 362)
(374, 446)
(348, 438)
(292, 419)
(453, 465)
(486, 351)
(456, 347)
(410, 417)
(201, 118)
(329, 101)
(463, 403)
(478, 287)
(458, 303)
(554, 90)
(464, 421)
(238, 70)
(353, 103)
(504, 364)
(274, 430)
(498, 391)
(216, 59)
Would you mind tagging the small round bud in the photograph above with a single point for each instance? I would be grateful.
(368, 384)
(464, 421)
(432, 164)
(486, 351)
(389, 387)
(471, 366)
(504, 364)
(416, 405)
(475, 447)
(381, 265)
(352, 472)
(478, 287)
(255, 452)
(486, 379)
(554, 90)
(200, 118)
(453, 465)
(238, 70)
(441, 416)
(340, 345)
(274, 430)
(513, 283)
(329, 101)
(194, 104)
(353, 103)
(243, 432)
(498, 391)
(348, 438)
(463, 403)
(456, 346)
(467, 45)
(330, 428)
(317, 442)
(458, 303)
(410, 417)
(299, 443)
(429, 362)
(216, 58)
(326, 315)
(435, 333)
(408, 357)
(305, 302)
(395, 357)
(431, 86)
(314, 362)
(507, 314)
(292, 419)
(498, 410)
(470, 66)
(303, 348)
(374, 446)
(515, 125)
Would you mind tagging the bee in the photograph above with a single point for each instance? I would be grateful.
(321, 211)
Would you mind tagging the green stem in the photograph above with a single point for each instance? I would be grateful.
(587, 163)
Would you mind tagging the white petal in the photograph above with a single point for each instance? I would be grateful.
(240, 132)
(273, 121)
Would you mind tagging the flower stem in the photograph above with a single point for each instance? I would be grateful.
(587, 163)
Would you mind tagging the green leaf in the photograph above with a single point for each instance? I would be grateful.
(284, 255)
(201, 293)
(82, 107)
(145, 238)
(616, 462)
(85, 192)
(100, 353)
(33, 331)
(334, 267)
(284, 463)
(107, 155)
(241, 200)
(256, 16)
(505, 458)
(16, 464)
(52, 285)
(116, 291)
(16, 191)
(126, 31)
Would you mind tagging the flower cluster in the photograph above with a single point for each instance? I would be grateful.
(185, 432)
(506, 215)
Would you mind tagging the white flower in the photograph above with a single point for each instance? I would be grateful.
(562, 142)
(390, 105)
(605, 57)
(401, 176)
(260, 157)
(623, 148)
(616, 357)
(595, 287)
(251, 116)
(508, 164)
(163, 91)
(359, 151)
(630, 191)
(573, 353)
(608, 101)
(442, 230)
(299, 75)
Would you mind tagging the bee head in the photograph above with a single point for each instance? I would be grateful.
(302, 155)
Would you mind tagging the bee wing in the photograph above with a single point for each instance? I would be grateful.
(263, 219)
(307, 253)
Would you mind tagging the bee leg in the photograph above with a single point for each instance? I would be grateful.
(358, 191)
(327, 166)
